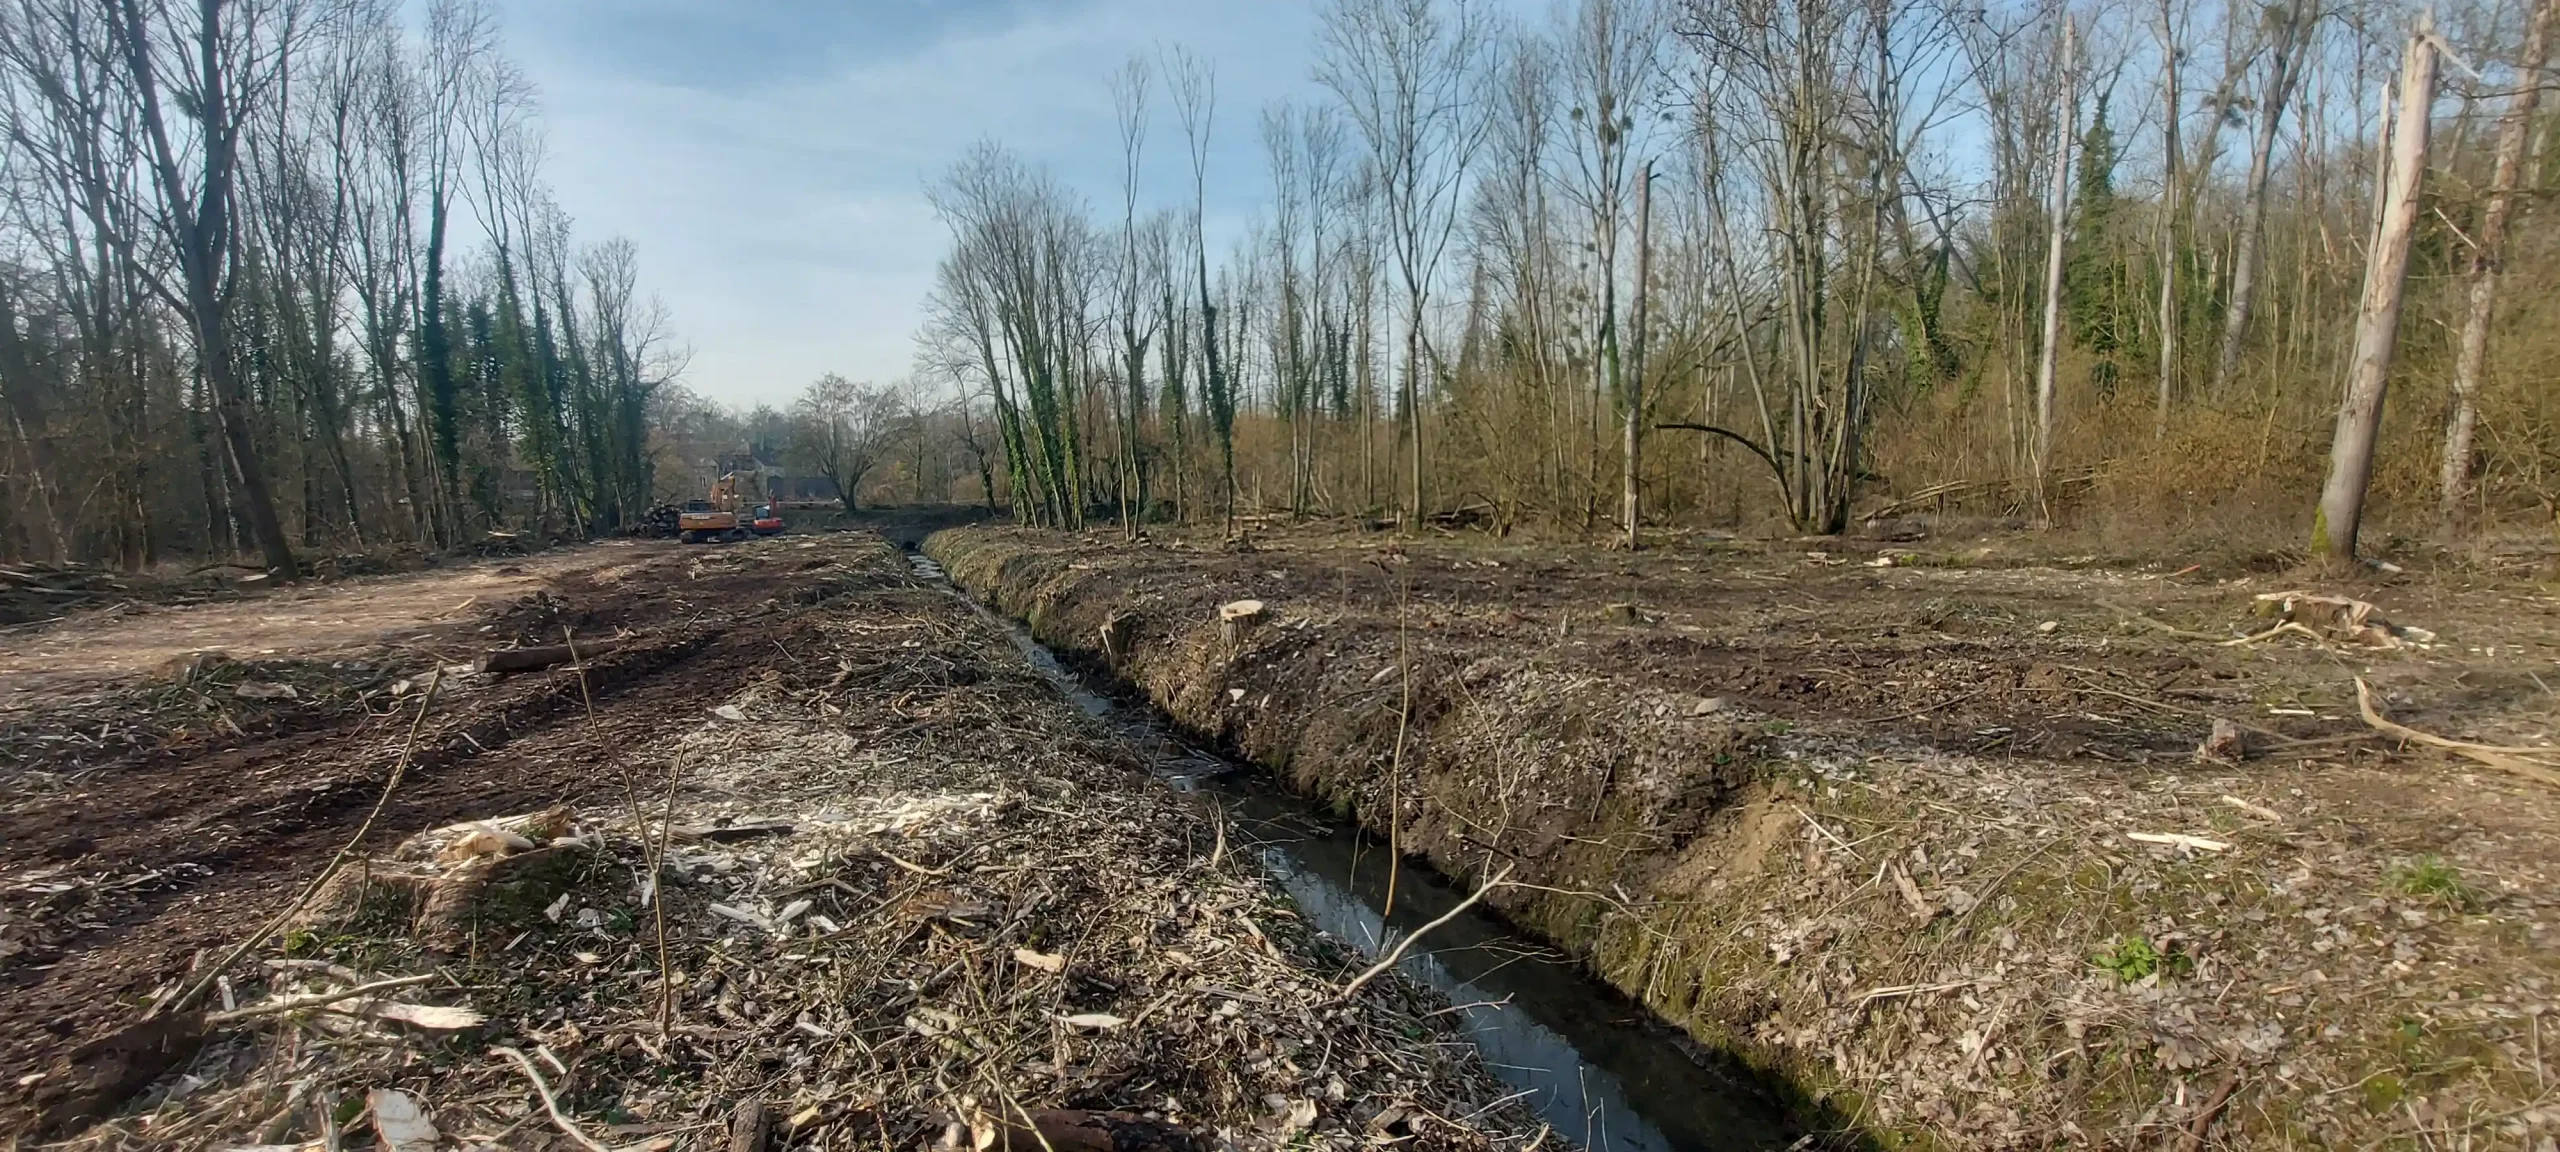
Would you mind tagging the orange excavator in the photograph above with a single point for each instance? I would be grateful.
(714, 517)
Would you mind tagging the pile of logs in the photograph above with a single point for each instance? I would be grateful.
(660, 521)
(43, 591)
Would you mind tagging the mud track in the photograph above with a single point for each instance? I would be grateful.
(121, 871)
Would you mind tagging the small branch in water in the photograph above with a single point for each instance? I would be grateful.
(1396, 953)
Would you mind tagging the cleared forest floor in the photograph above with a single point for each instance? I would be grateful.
(910, 894)
(1945, 832)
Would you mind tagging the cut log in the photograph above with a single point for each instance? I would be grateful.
(507, 661)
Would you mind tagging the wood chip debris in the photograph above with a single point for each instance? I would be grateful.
(2178, 840)
(2342, 619)
(400, 1123)
(935, 838)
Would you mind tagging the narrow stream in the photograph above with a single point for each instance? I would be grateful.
(1590, 1062)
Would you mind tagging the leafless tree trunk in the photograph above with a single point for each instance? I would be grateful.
(2295, 25)
(2488, 247)
(1635, 358)
(1129, 103)
(2168, 216)
(230, 66)
(2333, 530)
(1405, 71)
(2065, 121)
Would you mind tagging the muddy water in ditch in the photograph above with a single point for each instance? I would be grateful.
(1590, 1062)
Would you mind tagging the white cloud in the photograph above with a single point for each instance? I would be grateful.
(781, 212)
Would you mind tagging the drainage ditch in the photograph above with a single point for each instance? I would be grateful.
(1592, 1063)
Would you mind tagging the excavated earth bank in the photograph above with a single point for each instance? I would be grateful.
(1926, 834)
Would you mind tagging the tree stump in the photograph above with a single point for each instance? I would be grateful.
(1238, 618)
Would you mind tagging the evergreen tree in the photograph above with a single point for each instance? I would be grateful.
(2095, 293)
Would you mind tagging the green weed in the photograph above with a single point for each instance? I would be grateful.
(2430, 878)
(2135, 958)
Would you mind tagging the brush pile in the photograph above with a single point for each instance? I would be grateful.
(31, 591)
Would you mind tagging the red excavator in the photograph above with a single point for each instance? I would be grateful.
(719, 516)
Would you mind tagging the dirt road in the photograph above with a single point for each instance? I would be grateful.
(427, 611)
(886, 755)
(1930, 831)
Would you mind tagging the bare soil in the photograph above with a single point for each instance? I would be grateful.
(163, 804)
(123, 867)
(1869, 814)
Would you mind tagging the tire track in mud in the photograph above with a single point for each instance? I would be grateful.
(225, 835)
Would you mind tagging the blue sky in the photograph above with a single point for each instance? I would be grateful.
(770, 157)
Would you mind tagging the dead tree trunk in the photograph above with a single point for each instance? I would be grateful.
(2333, 529)
(2050, 359)
(2487, 249)
(1635, 361)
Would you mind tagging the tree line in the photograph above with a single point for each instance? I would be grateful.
(1690, 262)
(279, 276)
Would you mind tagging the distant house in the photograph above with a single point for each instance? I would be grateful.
(761, 478)
(805, 488)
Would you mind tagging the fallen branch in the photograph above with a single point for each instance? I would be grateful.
(2192, 1140)
(2171, 629)
(550, 1103)
(2502, 758)
(2271, 633)
(1397, 953)
(509, 660)
(2178, 840)
(1897, 991)
(2225, 641)
(315, 1000)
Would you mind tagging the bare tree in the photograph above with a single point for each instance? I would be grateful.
(842, 431)
(2166, 224)
(2404, 144)
(1610, 59)
(220, 66)
(1633, 401)
(1016, 292)
(67, 108)
(1195, 101)
(2292, 26)
(2065, 122)
(1813, 91)
(1406, 72)
(1136, 319)
(2488, 249)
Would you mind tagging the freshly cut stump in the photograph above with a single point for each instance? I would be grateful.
(1238, 618)
(449, 885)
